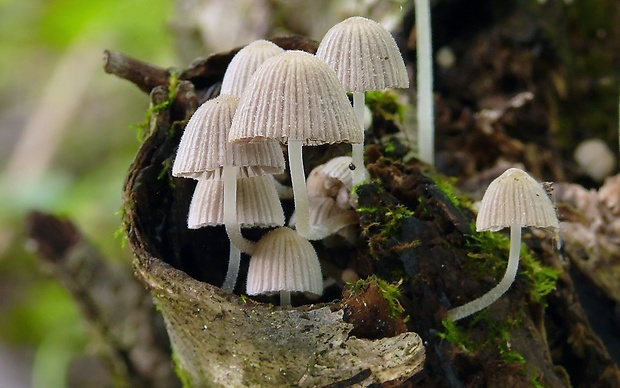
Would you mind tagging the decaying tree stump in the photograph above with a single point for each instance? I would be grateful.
(413, 231)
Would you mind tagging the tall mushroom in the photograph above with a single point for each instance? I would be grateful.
(515, 200)
(297, 99)
(365, 57)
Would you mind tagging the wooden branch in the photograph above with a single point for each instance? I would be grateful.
(115, 305)
(143, 75)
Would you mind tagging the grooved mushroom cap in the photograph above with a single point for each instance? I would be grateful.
(204, 146)
(338, 168)
(257, 202)
(284, 261)
(296, 96)
(515, 198)
(364, 55)
(244, 64)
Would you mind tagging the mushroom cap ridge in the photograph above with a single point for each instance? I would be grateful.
(364, 55)
(204, 146)
(284, 261)
(515, 198)
(295, 95)
(244, 64)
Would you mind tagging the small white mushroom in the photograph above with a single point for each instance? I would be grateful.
(284, 262)
(257, 203)
(595, 159)
(295, 98)
(515, 200)
(365, 57)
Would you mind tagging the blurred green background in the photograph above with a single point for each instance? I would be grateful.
(65, 145)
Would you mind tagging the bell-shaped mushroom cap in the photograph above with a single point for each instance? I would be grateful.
(258, 204)
(515, 198)
(339, 168)
(284, 261)
(364, 55)
(296, 96)
(204, 146)
(244, 64)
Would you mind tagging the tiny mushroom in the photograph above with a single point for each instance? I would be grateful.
(284, 262)
(365, 57)
(295, 98)
(515, 200)
(595, 159)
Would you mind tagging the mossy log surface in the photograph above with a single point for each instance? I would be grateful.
(411, 231)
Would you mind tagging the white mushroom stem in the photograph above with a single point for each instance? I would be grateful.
(300, 194)
(426, 118)
(285, 298)
(302, 206)
(357, 149)
(491, 296)
(238, 243)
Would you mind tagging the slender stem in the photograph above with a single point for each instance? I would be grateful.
(357, 149)
(426, 118)
(234, 262)
(302, 206)
(300, 194)
(233, 228)
(237, 242)
(497, 291)
(285, 298)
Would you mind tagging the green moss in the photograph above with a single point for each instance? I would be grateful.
(448, 186)
(455, 335)
(535, 381)
(489, 253)
(181, 374)
(496, 337)
(394, 218)
(120, 233)
(385, 104)
(389, 291)
(386, 222)
(143, 129)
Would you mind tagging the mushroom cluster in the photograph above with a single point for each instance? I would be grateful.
(231, 145)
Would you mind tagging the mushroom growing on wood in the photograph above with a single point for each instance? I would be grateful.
(205, 154)
(365, 57)
(284, 262)
(296, 98)
(515, 200)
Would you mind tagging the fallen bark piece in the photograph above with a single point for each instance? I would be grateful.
(221, 340)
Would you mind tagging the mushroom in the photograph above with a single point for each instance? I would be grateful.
(257, 203)
(595, 159)
(517, 200)
(295, 98)
(205, 154)
(284, 262)
(365, 56)
(244, 64)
